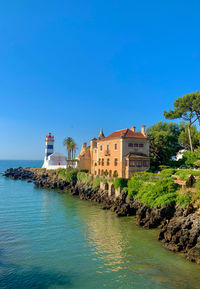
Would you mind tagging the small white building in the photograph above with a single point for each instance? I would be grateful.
(55, 161)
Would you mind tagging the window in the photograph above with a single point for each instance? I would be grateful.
(107, 152)
(135, 145)
(101, 148)
(102, 162)
(115, 161)
(145, 163)
(138, 164)
(130, 145)
(131, 163)
(115, 146)
(115, 174)
(141, 145)
(108, 162)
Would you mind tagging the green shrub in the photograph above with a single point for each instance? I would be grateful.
(96, 182)
(125, 190)
(197, 185)
(152, 192)
(184, 173)
(85, 178)
(68, 175)
(160, 193)
(165, 199)
(71, 176)
(120, 183)
(163, 167)
(81, 176)
(167, 173)
(134, 184)
(146, 176)
(183, 200)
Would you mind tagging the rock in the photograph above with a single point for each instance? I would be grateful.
(194, 254)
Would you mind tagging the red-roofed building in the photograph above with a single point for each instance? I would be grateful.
(121, 153)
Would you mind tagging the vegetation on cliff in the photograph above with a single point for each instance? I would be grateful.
(157, 190)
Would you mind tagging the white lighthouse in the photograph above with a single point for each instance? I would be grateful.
(52, 160)
(49, 146)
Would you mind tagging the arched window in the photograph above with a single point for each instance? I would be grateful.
(106, 187)
(115, 174)
(112, 190)
(110, 173)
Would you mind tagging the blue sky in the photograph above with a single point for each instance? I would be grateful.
(73, 67)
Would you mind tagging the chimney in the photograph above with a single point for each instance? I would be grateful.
(133, 128)
(143, 130)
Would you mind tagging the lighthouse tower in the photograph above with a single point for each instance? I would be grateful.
(49, 146)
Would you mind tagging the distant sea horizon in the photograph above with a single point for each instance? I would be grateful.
(7, 164)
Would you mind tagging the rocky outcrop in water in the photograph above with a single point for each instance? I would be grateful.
(180, 229)
(182, 234)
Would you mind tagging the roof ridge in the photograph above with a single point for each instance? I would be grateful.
(119, 130)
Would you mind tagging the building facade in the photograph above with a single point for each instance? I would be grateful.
(120, 154)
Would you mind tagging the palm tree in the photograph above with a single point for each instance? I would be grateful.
(67, 143)
(73, 148)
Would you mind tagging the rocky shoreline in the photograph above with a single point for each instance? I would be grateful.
(179, 229)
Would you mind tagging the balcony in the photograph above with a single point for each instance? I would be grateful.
(107, 153)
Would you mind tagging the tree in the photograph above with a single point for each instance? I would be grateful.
(67, 144)
(71, 147)
(164, 142)
(184, 138)
(192, 158)
(187, 108)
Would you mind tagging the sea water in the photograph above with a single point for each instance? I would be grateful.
(51, 240)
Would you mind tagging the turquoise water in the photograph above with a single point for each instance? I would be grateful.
(51, 240)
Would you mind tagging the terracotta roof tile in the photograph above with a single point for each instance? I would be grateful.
(126, 133)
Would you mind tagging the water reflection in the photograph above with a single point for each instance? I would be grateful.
(132, 254)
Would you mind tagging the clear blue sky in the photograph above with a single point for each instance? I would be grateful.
(73, 67)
